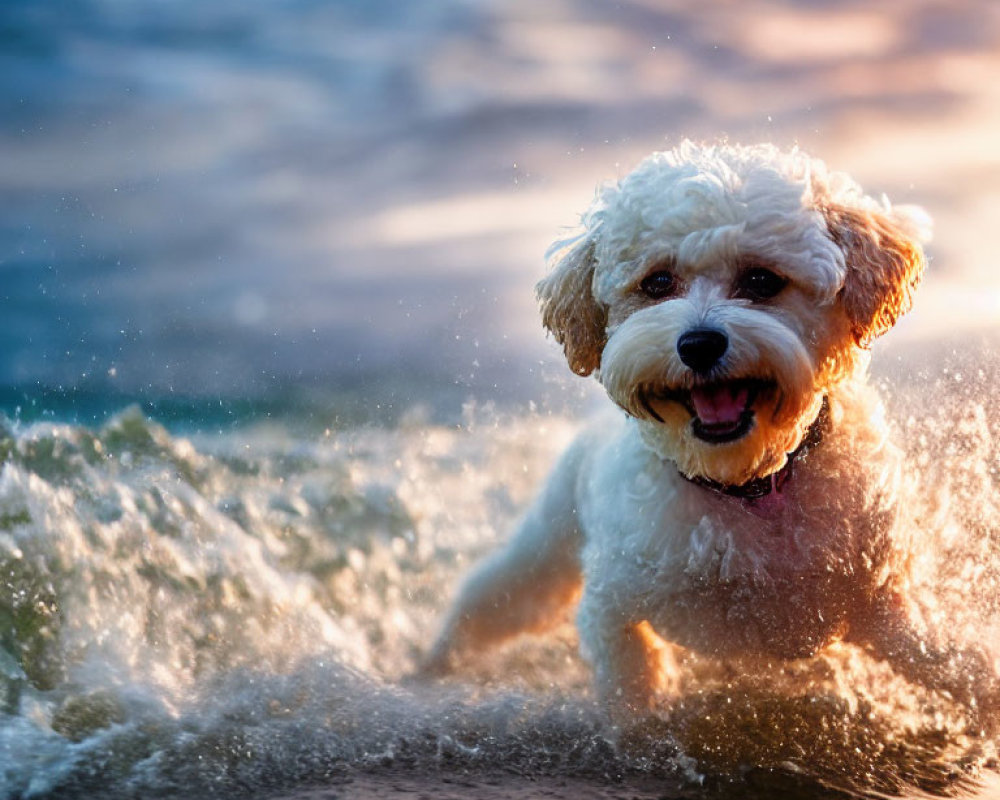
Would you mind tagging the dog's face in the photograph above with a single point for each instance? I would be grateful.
(721, 292)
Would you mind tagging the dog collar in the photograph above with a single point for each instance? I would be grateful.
(762, 487)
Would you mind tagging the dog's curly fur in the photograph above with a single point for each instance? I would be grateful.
(725, 297)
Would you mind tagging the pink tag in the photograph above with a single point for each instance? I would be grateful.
(771, 504)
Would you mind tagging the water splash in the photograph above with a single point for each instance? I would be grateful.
(234, 614)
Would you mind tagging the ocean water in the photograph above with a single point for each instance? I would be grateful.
(237, 613)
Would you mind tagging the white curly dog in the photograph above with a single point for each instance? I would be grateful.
(746, 503)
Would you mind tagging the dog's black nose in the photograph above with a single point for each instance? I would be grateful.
(702, 348)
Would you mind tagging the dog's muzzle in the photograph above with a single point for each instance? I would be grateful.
(722, 412)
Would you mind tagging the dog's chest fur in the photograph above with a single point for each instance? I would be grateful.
(710, 574)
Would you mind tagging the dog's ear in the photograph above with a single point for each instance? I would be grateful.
(885, 261)
(569, 309)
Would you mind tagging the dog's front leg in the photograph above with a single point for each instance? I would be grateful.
(526, 585)
(631, 663)
(890, 631)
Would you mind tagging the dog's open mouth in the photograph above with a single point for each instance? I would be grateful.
(721, 412)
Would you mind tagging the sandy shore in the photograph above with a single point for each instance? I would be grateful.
(440, 786)
(422, 785)
(485, 787)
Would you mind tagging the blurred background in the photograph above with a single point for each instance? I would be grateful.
(227, 209)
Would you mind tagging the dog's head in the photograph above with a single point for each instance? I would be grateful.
(720, 292)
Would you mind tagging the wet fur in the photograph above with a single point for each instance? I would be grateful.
(658, 561)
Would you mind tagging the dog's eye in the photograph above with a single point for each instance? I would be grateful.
(658, 284)
(758, 284)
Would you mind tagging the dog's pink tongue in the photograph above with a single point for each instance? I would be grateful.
(719, 405)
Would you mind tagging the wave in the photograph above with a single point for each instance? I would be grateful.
(237, 613)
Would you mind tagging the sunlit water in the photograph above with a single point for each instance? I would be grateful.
(237, 613)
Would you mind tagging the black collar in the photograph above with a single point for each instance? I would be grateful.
(761, 487)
